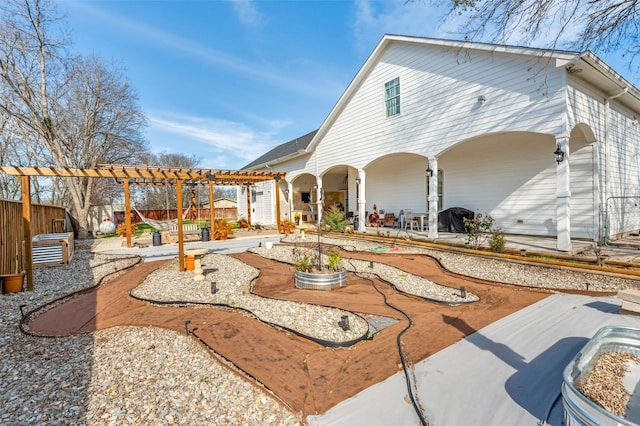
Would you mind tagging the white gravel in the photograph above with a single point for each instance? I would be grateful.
(119, 376)
(233, 281)
(131, 375)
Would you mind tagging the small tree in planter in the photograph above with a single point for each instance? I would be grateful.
(311, 274)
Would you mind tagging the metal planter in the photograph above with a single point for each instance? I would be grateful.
(315, 281)
(578, 409)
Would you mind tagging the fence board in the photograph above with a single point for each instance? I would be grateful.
(44, 220)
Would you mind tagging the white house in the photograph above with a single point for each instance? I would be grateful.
(546, 142)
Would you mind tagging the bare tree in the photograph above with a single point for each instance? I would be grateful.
(598, 25)
(162, 197)
(81, 111)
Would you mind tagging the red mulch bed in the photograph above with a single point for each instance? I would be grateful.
(306, 376)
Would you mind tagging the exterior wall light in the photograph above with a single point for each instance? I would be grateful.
(559, 154)
(358, 181)
(429, 171)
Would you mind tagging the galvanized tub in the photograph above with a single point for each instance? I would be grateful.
(52, 249)
(578, 409)
(315, 281)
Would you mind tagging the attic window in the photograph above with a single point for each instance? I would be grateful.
(392, 97)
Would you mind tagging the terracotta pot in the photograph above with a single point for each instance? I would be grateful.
(12, 283)
(190, 262)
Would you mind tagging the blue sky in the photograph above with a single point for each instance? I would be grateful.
(229, 80)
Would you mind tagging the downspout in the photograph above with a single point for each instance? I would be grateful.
(607, 107)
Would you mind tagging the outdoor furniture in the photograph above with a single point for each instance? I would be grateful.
(423, 218)
(187, 229)
(390, 219)
(408, 220)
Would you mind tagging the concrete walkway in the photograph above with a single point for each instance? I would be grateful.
(507, 373)
(143, 246)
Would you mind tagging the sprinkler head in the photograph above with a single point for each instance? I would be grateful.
(186, 326)
(463, 292)
(214, 287)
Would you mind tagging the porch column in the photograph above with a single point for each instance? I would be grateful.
(563, 197)
(290, 200)
(319, 198)
(433, 199)
(362, 202)
(276, 191)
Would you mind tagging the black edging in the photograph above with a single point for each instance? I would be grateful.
(405, 369)
(428, 299)
(322, 342)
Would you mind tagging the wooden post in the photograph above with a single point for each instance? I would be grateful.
(212, 209)
(194, 205)
(277, 192)
(249, 205)
(27, 258)
(180, 231)
(127, 212)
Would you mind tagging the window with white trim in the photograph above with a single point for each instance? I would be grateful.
(392, 97)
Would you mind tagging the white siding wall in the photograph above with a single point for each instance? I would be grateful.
(263, 209)
(242, 202)
(509, 176)
(624, 173)
(583, 202)
(397, 182)
(621, 159)
(439, 89)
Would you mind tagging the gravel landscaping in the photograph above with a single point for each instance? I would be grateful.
(140, 375)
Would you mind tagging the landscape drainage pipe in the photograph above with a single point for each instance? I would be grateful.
(405, 368)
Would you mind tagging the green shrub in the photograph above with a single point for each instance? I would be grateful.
(303, 264)
(497, 241)
(477, 229)
(334, 220)
(335, 261)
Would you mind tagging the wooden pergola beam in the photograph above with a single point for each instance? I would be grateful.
(219, 177)
(140, 175)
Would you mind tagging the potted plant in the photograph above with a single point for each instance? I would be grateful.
(287, 226)
(13, 282)
(222, 229)
(311, 274)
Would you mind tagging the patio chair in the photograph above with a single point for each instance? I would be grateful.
(409, 220)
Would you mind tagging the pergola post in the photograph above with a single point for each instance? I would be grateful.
(127, 212)
(277, 191)
(27, 259)
(212, 208)
(180, 230)
(249, 205)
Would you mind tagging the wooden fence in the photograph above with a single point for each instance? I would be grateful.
(44, 220)
(229, 213)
